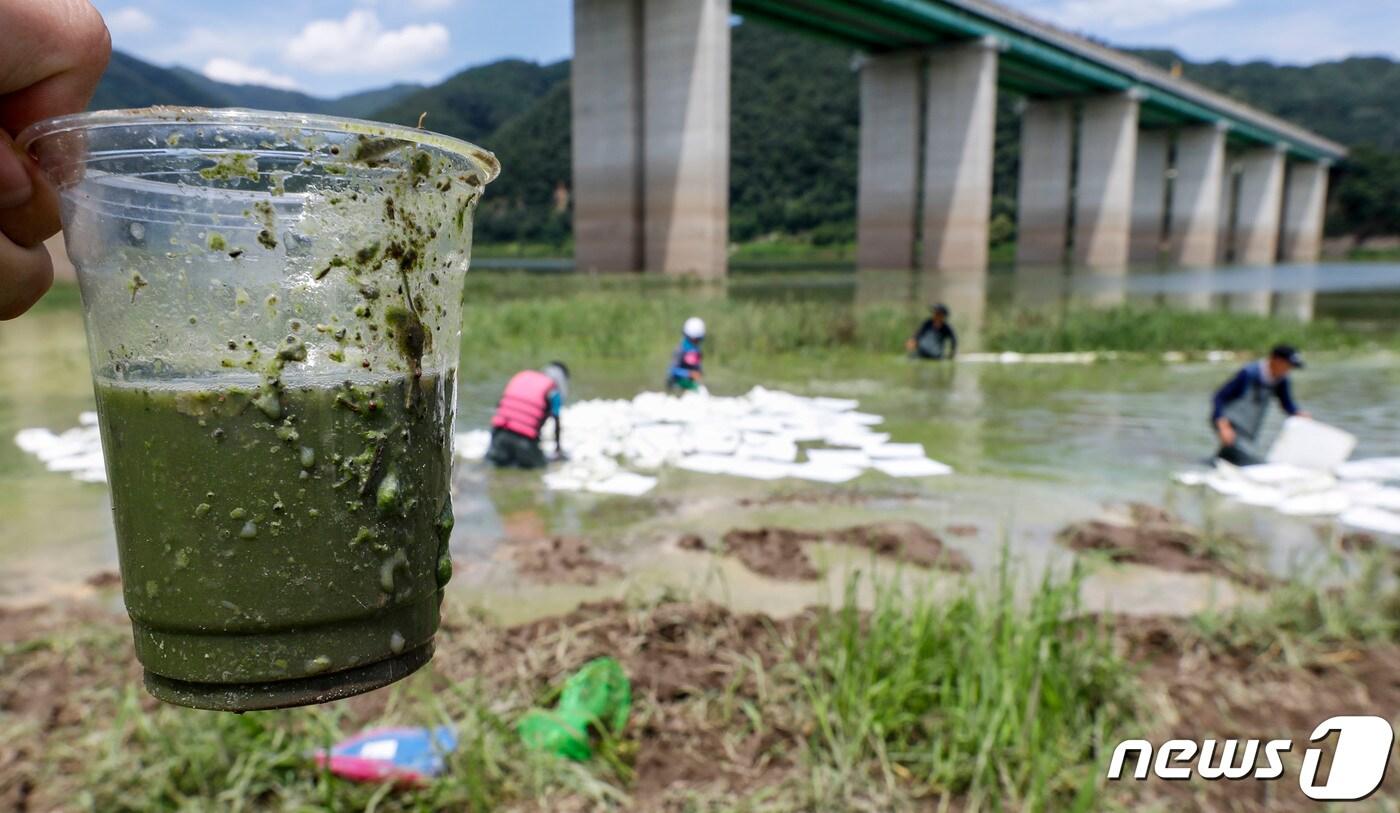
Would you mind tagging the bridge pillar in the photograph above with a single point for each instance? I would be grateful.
(1305, 198)
(1196, 192)
(1104, 193)
(1225, 230)
(959, 135)
(606, 87)
(651, 135)
(1259, 205)
(1296, 305)
(1149, 197)
(887, 201)
(1042, 210)
(686, 126)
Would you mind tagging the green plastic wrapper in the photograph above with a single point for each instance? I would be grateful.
(597, 696)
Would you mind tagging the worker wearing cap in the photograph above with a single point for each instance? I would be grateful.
(531, 398)
(1238, 409)
(935, 338)
(688, 361)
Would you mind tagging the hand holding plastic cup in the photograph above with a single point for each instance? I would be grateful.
(273, 310)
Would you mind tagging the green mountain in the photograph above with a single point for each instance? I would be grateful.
(478, 101)
(130, 82)
(1354, 101)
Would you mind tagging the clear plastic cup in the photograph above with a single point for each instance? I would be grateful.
(273, 311)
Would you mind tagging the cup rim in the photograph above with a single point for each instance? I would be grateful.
(489, 166)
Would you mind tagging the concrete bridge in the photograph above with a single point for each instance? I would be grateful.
(1120, 161)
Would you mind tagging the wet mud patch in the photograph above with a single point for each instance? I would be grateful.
(905, 542)
(1155, 538)
(103, 579)
(839, 496)
(560, 560)
(779, 552)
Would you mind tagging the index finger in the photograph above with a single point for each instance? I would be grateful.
(54, 53)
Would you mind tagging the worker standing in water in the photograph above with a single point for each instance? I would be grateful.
(935, 338)
(531, 398)
(1238, 409)
(688, 361)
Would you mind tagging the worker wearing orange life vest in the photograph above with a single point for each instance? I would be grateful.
(531, 398)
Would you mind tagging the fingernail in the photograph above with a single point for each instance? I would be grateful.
(16, 187)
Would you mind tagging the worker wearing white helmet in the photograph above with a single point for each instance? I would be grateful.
(686, 365)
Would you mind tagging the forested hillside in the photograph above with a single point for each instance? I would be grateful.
(130, 82)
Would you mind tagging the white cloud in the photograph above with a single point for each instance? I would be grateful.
(130, 20)
(1099, 15)
(360, 44)
(201, 43)
(421, 5)
(223, 69)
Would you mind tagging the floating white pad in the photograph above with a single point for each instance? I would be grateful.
(706, 463)
(912, 467)
(1375, 468)
(1372, 519)
(625, 483)
(855, 458)
(1311, 444)
(886, 451)
(823, 472)
(1319, 504)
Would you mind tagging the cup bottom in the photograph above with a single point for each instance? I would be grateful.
(281, 694)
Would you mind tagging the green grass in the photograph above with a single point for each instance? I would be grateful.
(1006, 702)
(1343, 603)
(516, 251)
(1134, 328)
(626, 317)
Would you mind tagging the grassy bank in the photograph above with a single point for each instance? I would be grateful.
(621, 317)
(982, 698)
(1135, 328)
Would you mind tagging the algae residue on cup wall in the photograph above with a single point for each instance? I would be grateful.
(273, 308)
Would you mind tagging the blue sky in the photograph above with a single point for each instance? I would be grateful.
(329, 47)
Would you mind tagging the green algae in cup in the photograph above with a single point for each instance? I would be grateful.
(273, 311)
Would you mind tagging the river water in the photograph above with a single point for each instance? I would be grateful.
(1034, 447)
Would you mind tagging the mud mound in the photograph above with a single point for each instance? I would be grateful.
(561, 560)
(907, 542)
(773, 552)
(1156, 539)
(104, 578)
(778, 552)
(691, 542)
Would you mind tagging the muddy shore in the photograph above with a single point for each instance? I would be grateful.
(65, 666)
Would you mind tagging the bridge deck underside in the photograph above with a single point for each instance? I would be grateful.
(1031, 64)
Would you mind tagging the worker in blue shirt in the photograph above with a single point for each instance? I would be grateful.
(688, 361)
(1238, 409)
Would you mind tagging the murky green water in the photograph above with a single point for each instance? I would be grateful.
(1034, 446)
